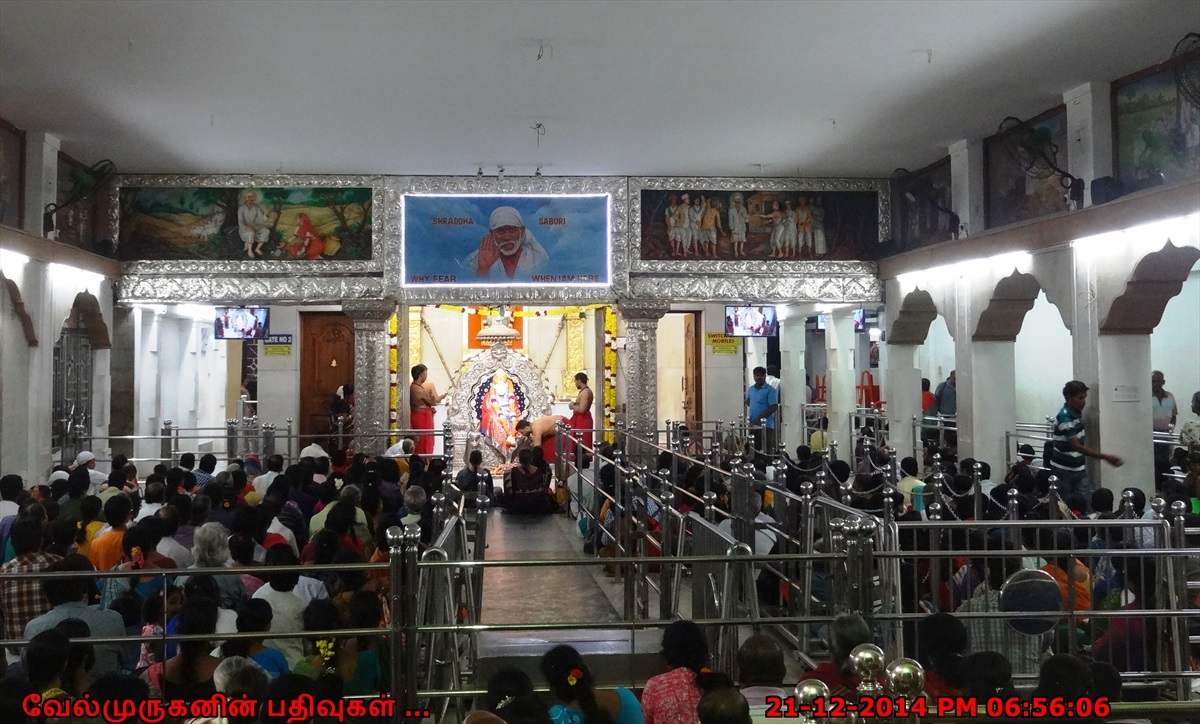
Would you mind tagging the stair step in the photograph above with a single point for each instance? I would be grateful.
(607, 652)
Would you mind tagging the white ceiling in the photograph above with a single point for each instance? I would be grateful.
(706, 88)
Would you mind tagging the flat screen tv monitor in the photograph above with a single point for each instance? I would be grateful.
(751, 321)
(242, 322)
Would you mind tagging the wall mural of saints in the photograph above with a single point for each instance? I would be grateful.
(280, 224)
(700, 224)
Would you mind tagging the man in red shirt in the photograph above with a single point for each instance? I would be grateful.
(928, 401)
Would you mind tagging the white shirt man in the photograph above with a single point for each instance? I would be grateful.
(764, 538)
(174, 550)
(263, 482)
(88, 460)
(147, 510)
(287, 616)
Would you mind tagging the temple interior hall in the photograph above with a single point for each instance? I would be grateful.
(600, 361)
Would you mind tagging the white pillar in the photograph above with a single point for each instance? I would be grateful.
(966, 184)
(840, 381)
(1085, 359)
(41, 178)
(791, 374)
(903, 397)
(1089, 131)
(1123, 400)
(990, 391)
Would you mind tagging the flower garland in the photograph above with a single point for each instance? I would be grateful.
(609, 390)
(577, 310)
(327, 649)
(393, 330)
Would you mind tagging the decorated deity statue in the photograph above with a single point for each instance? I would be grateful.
(500, 411)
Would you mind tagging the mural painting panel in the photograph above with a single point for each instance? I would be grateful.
(1157, 130)
(1013, 195)
(758, 224)
(230, 223)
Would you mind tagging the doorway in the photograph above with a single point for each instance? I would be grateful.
(326, 363)
(680, 365)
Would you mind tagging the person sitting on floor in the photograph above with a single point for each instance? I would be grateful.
(528, 491)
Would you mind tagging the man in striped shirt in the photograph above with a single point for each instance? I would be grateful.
(1068, 449)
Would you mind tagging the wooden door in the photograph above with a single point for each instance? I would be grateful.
(693, 358)
(326, 363)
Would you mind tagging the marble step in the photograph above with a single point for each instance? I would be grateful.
(607, 652)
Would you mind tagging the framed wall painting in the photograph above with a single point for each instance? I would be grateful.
(699, 222)
(1011, 195)
(1156, 131)
(917, 219)
(506, 240)
(12, 173)
(288, 223)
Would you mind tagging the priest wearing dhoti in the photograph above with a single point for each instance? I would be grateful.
(508, 250)
(581, 413)
(422, 396)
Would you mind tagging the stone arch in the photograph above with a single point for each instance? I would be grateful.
(22, 314)
(917, 312)
(85, 313)
(1156, 278)
(1012, 298)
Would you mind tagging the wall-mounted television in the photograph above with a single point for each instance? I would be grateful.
(751, 321)
(241, 322)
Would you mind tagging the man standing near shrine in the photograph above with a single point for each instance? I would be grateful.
(422, 396)
(762, 401)
(507, 248)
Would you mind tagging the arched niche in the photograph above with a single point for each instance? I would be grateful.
(917, 312)
(1156, 278)
(19, 310)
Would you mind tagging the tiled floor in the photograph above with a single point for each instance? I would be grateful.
(556, 594)
(561, 594)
